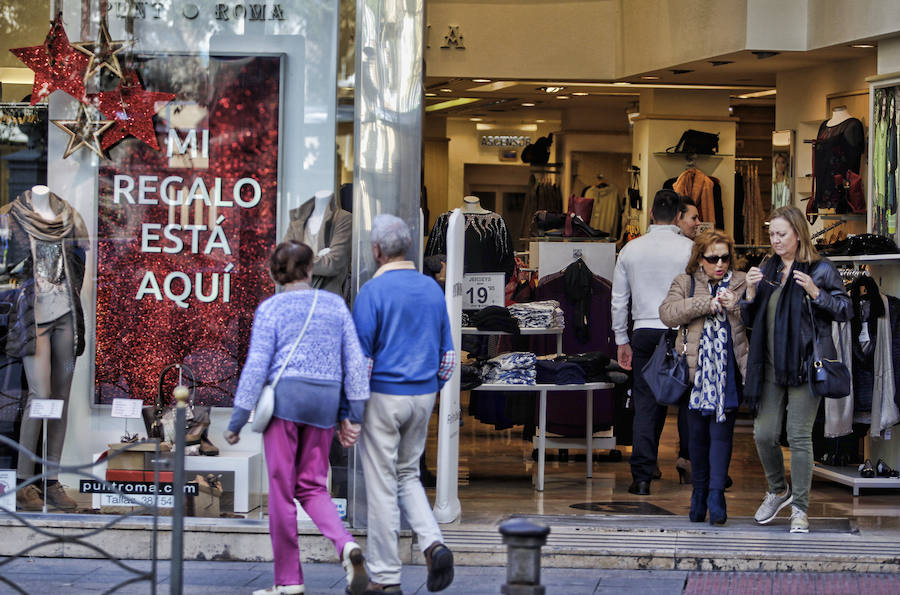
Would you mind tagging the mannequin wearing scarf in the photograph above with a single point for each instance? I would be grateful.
(46, 327)
(716, 352)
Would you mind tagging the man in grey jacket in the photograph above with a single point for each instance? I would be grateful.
(644, 272)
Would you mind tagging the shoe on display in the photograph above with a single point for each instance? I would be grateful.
(867, 470)
(207, 448)
(639, 488)
(57, 498)
(799, 521)
(883, 470)
(772, 505)
(29, 499)
(281, 590)
(355, 566)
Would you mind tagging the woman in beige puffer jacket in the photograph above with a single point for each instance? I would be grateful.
(716, 352)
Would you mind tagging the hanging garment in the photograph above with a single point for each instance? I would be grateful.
(717, 203)
(489, 247)
(781, 194)
(837, 150)
(606, 207)
(839, 412)
(754, 211)
(891, 161)
(700, 187)
(738, 207)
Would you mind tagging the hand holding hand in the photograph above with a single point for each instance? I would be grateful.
(714, 305)
(231, 437)
(728, 299)
(806, 282)
(348, 433)
(623, 356)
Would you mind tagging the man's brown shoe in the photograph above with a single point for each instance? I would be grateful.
(29, 498)
(57, 497)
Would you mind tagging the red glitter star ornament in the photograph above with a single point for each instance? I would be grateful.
(133, 109)
(56, 64)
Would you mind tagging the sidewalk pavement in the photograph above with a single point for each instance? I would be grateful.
(75, 576)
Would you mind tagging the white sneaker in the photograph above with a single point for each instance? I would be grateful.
(772, 505)
(281, 590)
(799, 521)
(355, 566)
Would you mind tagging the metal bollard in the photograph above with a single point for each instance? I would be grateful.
(524, 540)
(176, 576)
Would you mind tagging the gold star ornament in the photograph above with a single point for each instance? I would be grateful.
(84, 131)
(102, 53)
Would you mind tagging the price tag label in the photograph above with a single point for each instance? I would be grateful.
(46, 409)
(129, 408)
(481, 290)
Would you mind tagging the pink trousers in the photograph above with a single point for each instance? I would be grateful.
(297, 461)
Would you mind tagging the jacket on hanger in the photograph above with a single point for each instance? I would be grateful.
(329, 270)
(694, 183)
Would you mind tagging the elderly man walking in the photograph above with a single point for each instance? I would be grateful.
(404, 330)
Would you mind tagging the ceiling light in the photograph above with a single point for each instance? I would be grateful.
(621, 83)
(481, 80)
(450, 103)
(527, 105)
(863, 45)
(721, 62)
(650, 77)
(490, 87)
(764, 55)
(431, 95)
(581, 94)
(475, 119)
(765, 93)
(550, 89)
(446, 90)
(540, 121)
(562, 96)
(680, 70)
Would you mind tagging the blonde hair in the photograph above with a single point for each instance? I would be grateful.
(806, 251)
(704, 241)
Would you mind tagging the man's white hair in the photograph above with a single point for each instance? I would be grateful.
(391, 235)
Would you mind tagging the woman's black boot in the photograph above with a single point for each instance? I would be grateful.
(698, 505)
(716, 503)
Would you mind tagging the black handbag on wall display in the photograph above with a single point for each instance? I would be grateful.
(827, 377)
(696, 142)
(667, 372)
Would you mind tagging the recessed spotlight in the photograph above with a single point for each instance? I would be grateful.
(431, 95)
(562, 96)
(446, 90)
(481, 80)
(475, 119)
(650, 77)
(581, 94)
(540, 121)
(550, 89)
(863, 45)
(527, 105)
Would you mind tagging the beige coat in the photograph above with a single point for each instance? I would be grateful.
(330, 270)
(680, 310)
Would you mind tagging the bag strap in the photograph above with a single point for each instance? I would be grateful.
(300, 336)
(812, 319)
(162, 376)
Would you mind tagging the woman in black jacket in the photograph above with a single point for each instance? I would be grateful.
(780, 349)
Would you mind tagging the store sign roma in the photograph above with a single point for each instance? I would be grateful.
(184, 230)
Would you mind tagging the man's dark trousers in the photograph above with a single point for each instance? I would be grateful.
(648, 416)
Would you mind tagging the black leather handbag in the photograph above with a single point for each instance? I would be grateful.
(696, 142)
(827, 377)
(667, 372)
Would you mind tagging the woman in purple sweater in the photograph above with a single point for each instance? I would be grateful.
(325, 382)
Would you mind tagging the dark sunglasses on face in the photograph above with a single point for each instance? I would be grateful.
(714, 258)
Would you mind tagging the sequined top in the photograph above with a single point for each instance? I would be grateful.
(51, 295)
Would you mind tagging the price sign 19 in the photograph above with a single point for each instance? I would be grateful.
(481, 290)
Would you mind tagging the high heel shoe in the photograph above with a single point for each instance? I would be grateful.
(716, 505)
(683, 466)
(882, 470)
(866, 470)
(698, 505)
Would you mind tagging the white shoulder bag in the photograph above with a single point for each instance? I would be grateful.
(262, 414)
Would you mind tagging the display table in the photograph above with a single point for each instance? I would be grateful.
(590, 441)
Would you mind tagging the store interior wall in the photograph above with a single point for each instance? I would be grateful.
(19, 20)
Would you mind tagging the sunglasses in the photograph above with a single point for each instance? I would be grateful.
(714, 258)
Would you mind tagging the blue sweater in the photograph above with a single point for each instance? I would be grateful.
(404, 329)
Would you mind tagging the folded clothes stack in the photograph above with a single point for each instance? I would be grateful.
(469, 377)
(558, 372)
(597, 367)
(494, 318)
(516, 367)
(544, 314)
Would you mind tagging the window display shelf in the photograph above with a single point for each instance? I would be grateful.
(605, 441)
(849, 476)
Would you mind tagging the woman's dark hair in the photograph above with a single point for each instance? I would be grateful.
(290, 262)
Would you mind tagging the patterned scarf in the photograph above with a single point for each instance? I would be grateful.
(708, 393)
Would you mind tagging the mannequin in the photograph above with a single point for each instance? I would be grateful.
(325, 227)
(472, 204)
(47, 243)
(838, 115)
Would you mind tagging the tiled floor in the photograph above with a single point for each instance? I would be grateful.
(496, 470)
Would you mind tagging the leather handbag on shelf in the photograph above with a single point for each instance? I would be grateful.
(159, 418)
(851, 182)
(667, 372)
(827, 377)
(696, 142)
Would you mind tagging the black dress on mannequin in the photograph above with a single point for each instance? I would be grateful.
(837, 150)
(489, 246)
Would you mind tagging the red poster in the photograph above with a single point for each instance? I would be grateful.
(184, 232)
